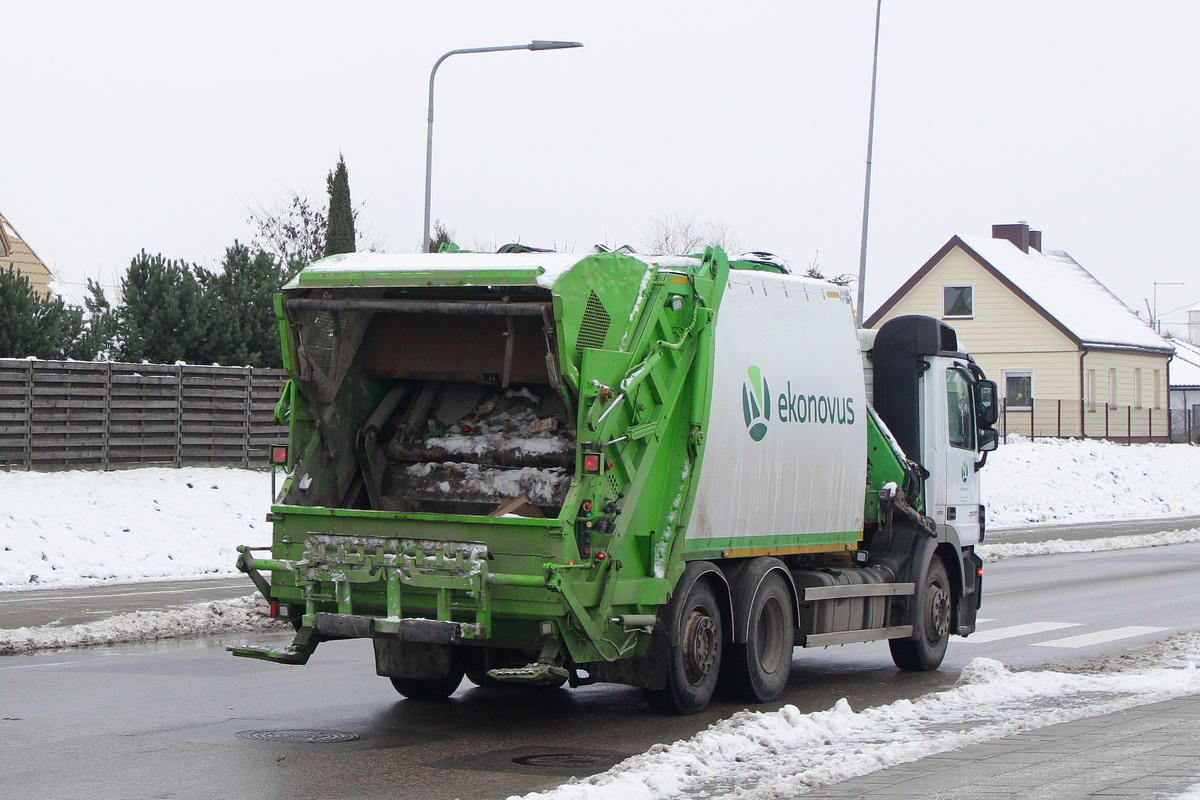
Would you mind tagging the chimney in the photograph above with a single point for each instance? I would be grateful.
(1017, 234)
(1035, 240)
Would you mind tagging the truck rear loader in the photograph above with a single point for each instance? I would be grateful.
(663, 471)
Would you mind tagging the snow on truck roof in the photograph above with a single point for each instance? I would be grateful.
(465, 269)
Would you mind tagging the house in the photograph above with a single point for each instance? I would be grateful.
(1071, 359)
(1185, 392)
(15, 253)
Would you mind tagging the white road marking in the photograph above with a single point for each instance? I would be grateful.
(982, 620)
(1012, 631)
(1100, 637)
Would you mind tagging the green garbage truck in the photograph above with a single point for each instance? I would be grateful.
(662, 471)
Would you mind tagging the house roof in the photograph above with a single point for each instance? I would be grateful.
(1185, 367)
(1054, 285)
(15, 252)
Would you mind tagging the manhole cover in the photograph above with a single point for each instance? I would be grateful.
(302, 736)
(557, 760)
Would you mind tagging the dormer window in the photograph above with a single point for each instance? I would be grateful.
(958, 302)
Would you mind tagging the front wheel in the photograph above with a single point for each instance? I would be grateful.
(931, 628)
(694, 664)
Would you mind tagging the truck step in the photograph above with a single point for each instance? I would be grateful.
(531, 675)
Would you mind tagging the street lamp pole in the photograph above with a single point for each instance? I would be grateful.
(862, 257)
(536, 44)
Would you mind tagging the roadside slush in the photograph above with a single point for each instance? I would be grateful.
(29, 608)
(1044, 532)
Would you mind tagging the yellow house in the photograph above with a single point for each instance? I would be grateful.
(1071, 359)
(20, 256)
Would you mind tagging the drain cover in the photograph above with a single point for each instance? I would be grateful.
(557, 760)
(301, 736)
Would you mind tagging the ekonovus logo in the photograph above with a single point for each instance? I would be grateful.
(756, 404)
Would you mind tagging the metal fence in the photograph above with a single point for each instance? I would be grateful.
(78, 415)
(1071, 419)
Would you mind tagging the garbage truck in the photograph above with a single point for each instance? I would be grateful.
(664, 471)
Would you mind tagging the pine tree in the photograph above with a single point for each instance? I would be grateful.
(161, 315)
(240, 316)
(339, 236)
(34, 325)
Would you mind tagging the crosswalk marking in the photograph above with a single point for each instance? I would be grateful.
(1029, 628)
(1100, 637)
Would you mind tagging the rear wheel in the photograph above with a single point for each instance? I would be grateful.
(758, 670)
(931, 628)
(692, 665)
(429, 688)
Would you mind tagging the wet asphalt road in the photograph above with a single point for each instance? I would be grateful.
(162, 720)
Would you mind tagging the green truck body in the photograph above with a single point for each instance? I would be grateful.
(663, 471)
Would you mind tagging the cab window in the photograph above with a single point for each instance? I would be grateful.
(958, 410)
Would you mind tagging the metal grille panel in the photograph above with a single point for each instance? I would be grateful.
(594, 328)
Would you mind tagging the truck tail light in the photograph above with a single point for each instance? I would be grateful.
(279, 454)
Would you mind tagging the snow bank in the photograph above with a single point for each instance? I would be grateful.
(218, 616)
(998, 552)
(1072, 480)
(85, 527)
(770, 756)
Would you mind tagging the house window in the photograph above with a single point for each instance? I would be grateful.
(958, 301)
(1018, 389)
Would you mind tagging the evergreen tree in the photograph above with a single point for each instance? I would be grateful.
(161, 315)
(240, 317)
(98, 341)
(339, 236)
(34, 325)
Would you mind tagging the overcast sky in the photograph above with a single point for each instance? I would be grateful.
(156, 126)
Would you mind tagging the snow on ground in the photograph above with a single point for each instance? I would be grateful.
(998, 552)
(756, 755)
(1073, 480)
(218, 616)
(86, 527)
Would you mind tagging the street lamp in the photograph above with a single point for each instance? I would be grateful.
(536, 44)
(862, 257)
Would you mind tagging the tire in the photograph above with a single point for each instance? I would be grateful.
(429, 688)
(757, 671)
(931, 628)
(694, 665)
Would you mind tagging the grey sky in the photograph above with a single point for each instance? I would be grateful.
(155, 125)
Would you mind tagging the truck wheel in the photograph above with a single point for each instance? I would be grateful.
(429, 688)
(758, 670)
(931, 629)
(693, 665)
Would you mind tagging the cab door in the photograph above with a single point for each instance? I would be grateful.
(950, 447)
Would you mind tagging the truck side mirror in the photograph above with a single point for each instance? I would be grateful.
(989, 440)
(987, 411)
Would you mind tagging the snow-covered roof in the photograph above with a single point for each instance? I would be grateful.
(1068, 293)
(1185, 367)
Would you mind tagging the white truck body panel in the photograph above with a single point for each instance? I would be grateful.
(786, 437)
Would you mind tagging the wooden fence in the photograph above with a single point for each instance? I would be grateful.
(78, 415)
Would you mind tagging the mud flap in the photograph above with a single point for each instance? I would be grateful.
(972, 596)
